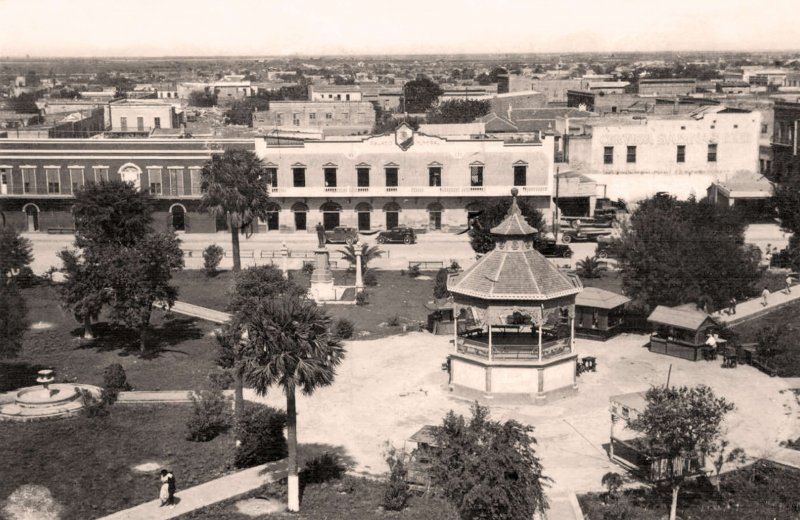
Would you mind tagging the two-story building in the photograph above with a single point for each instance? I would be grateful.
(334, 93)
(636, 157)
(142, 116)
(336, 118)
(400, 178)
(38, 178)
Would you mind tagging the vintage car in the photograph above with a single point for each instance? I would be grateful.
(341, 235)
(549, 247)
(400, 234)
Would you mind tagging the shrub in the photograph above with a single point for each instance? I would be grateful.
(344, 328)
(92, 406)
(455, 266)
(322, 468)
(210, 415)
(25, 278)
(114, 382)
(212, 256)
(370, 278)
(393, 321)
(261, 434)
(402, 272)
(440, 284)
(397, 491)
(414, 271)
(362, 298)
(221, 379)
(308, 269)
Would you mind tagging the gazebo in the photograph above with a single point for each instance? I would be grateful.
(599, 314)
(515, 320)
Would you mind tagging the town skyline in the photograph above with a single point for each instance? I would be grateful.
(86, 28)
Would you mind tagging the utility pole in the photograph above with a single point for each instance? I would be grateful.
(555, 217)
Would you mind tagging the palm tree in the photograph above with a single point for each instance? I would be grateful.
(235, 184)
(589, 267)
(290, 345)
(367, 255)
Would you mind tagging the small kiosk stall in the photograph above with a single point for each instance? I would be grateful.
(441, 320)
(599, 314)
(681, 331)
(630, 450)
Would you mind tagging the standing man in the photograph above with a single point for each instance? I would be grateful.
(320, 234)
(732, 306)
(788, 283)
(765, 296)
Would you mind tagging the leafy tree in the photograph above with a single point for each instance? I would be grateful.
(420, 95)
(368, 254)
(612, 481)
(459, 111)
(15, 252)
(111, 213)
(139, 277)
(235, 183)
(786, 195)
(290, 345)
(202, 98)
(25, 103)
(679, 422)
(589, 267)
(85, 289)
(492, 211)
(241, 111)
(13, 319)
(488, 469)
(678, 252)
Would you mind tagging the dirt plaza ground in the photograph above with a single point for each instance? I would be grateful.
(387, 389)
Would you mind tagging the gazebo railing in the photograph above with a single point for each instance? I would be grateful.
(550, 349)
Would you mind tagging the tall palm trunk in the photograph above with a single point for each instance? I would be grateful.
(238, 394)
(237, 262)
(291, 426)
(87, 327)
(673, 510)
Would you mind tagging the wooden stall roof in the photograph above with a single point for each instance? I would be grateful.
(633, 401)
(683, 317)
(600, 298)
(425, 435)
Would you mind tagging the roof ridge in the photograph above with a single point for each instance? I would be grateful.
(530, 271)
(504, 256)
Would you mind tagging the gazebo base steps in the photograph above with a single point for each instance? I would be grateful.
(497, 398)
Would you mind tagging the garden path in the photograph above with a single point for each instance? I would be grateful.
(197, 497)
(747, 310)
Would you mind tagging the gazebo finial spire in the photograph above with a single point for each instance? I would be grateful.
(514, 208)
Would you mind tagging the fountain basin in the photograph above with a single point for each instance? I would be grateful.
(36, 403)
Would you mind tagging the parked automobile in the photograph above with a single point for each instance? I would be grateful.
(341, 235)
(607, 247)
(549, 247)
(583, 234)
(400, 234)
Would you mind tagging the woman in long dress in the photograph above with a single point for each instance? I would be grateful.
(164, 492)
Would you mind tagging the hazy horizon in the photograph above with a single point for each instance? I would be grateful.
(312, 28)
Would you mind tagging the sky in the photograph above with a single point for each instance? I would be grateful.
(83, 28)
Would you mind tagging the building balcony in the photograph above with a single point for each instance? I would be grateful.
(405, 191)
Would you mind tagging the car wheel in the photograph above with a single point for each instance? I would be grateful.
(406, 240)
(566, 239)
(567, 253)
(602, 254)
(349, 241)
(381, 240)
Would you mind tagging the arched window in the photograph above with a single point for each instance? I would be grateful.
(273, 216)
(32, 217)
(178, 212)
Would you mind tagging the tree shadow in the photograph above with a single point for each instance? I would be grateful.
(110, 337)
(18, 375)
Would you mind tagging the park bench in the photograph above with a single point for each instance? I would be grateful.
(426, 264)
(191, 253)
(60, 231)
(243, 253)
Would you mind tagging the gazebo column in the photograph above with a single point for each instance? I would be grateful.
(541, 322)
(455, 331)
(490, 342)
(572, 331)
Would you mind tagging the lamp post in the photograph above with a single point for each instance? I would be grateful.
(555, 217)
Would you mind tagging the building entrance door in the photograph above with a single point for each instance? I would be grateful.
(300, 220)
(33, 218)
(363, 221)
(392, 219)
(221, 222)
(330, 219)
(272, 221)
(178, 219)
(435, 221)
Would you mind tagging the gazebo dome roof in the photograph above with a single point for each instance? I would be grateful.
(514, 224)
(514, 269)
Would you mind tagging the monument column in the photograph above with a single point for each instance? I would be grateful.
(322, 278)
(285, 260)
(359, 278)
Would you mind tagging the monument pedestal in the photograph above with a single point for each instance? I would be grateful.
(322, 278)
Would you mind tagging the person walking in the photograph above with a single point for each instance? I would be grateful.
(732, 306)
(788, 283)
(765, 296)
(171, 488)
(163, 493)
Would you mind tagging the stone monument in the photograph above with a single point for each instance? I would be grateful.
(322, 279)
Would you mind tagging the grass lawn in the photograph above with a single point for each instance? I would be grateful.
(181, 355)
(395, 295)
(760, 491)
(347, 499)
(87, 463)
(785, 320)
